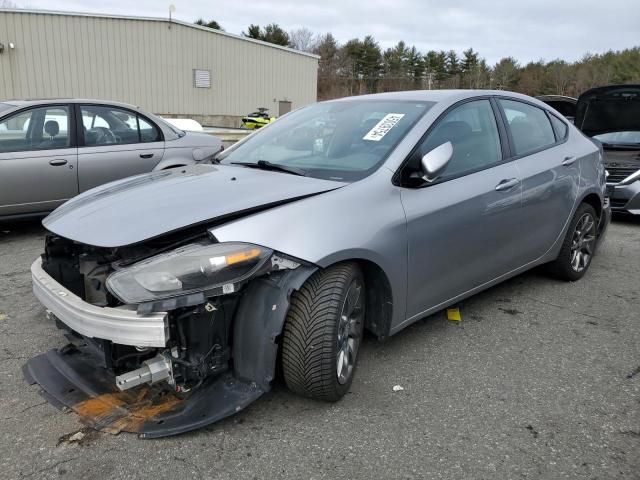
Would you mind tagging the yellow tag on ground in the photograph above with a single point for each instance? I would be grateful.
(453, 314)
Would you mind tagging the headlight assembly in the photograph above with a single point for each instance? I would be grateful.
(190, 269)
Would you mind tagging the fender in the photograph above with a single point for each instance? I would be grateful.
(259, 321)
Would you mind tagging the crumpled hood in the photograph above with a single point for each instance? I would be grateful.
(145, 206)
(615, 108)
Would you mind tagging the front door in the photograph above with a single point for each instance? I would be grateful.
(38, 160)
(463, 228)
(116, 143)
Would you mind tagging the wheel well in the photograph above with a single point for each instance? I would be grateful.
(594, 200)
(379, 301)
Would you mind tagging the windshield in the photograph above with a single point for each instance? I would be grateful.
(619, 138)
(340, 140)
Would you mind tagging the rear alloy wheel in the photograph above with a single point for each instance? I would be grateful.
(323, 331)
(579, 245)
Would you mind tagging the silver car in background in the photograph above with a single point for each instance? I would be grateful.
(368, 212)
(52, 150)
(611, 116)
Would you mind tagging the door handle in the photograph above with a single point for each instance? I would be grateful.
(507, 184)
(58, 162)
(568, 161)
(146, 155)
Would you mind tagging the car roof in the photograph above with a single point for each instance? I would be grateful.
(439, 95)
(49, 101)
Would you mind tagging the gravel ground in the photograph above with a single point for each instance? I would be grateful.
(541, 379)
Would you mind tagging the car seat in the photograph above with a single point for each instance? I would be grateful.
(52, 129)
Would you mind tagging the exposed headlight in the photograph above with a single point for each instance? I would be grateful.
(190, 269)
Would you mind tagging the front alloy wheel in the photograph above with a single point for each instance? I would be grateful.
(323, 331)
(349, 331)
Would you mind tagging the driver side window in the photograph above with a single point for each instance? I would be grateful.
(41, 128)
(473, 132)
(114, 126)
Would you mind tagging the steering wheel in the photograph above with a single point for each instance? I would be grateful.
(104, 136)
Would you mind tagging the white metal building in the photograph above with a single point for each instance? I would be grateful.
(168, 68)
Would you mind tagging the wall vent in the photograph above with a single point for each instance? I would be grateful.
(202, 78)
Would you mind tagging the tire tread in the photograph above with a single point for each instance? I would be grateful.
(309, 338)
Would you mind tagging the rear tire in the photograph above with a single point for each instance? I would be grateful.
(323, 331)
(578, 247)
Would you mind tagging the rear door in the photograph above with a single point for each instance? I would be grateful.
(38, 160)
(115, 143)
(462, 229)
(550, 172)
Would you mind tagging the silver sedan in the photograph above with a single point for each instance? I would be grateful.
(362, 213)
(51, 150)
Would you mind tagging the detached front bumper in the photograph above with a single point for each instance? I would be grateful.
(76, 377)
(120, 325)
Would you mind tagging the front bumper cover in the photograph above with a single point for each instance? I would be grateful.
(122, 326)
(625, 198)
(75, 377)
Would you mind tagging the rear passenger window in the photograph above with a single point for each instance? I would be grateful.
(472, 130)
(529, 125)
(559, 127)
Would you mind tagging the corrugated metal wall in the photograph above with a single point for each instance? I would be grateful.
(146, 63)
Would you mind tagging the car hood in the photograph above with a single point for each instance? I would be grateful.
(146, 206)
(615, 108)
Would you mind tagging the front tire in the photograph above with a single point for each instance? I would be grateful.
(578, 247)
(323, 331)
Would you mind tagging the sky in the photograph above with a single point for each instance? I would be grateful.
(528, 30)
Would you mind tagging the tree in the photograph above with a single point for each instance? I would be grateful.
(210, 24)
(469, 69)
(469, 61)
(302, 39)
(506, 73)
(329, 67)
(362, 64)
(453, 63)
(532, 79)
(395, 60)
(435, 64)
(272, 33)
(253, 31)
(560, 75)
(415, 67)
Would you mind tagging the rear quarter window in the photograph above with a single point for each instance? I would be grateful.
(559, 127)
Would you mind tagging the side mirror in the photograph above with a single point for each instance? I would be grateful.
(435, 161)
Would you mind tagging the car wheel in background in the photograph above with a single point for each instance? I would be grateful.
(578, 247)
(323, 331)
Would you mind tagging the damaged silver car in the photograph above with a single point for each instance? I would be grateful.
(184, 292)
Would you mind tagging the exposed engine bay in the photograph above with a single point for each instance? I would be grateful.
(190, 380)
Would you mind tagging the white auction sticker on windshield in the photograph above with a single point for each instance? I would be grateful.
(378, 132)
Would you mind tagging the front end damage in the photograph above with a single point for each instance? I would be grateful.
(174, 360)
